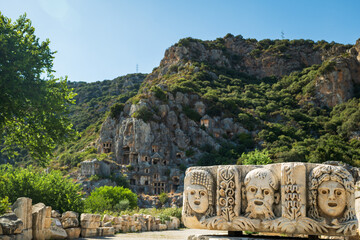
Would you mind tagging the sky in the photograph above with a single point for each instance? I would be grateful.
(103, 39)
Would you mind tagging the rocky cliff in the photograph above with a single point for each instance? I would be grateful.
(207, 96)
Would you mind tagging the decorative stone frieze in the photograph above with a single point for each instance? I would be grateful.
(292, 198)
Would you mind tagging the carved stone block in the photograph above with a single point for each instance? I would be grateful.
(291, 198)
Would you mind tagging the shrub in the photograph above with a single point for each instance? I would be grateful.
(191, 113)
(52, 189)
(159, 93)
(109, 198)
(255, 158)
(120, 180)
(169, 212)
(163, 197)
(116, 109)
(143, 113)
(4, 205)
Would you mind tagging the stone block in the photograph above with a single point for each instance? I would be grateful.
(162, 227)
(22, 207)
(70, 214)
(70, 223)
(175, 222)
(107, 224)
(89, 232)
(90, 220)
(11, 224)
(88, 224)
(47, 223)
(27, 234)
(73, 233)
(284, 198)
(106, 231)
(55, 214)
(38, 221)
(55, 232)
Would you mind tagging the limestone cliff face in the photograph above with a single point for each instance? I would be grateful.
(158, 149)
(242, 55)
(341, 83)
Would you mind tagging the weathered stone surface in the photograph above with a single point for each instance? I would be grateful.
(70, 222)
(55, 232)
(290, 198)
(38, 221)
(105, 231)
(89, 232)
(70, 214)
(22, 208)
(55, 214)
(11, 224)
(90, 220)
(73, 233)
(162, 227)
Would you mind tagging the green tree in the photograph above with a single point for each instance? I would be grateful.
(33, 104)
(109, 198)
(255, 158)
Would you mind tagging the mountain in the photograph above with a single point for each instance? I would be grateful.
(211, 101)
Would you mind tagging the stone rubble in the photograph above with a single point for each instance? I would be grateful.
(40, 222)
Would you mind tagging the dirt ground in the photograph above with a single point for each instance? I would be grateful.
(171, 234)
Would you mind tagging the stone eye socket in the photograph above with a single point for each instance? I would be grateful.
(324, 191)
(252, 190)
(266, 192)
(338, 193)
(192, 192)
(202, 193)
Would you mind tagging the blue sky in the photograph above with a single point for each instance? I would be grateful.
(97, 40)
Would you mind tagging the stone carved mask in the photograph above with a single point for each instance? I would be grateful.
(199, 193)
(260, 187)
(197, 197)
(330, 188)
(331, 198)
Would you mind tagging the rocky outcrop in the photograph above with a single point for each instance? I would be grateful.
(243, 55)
(342, 82)
(155, 150)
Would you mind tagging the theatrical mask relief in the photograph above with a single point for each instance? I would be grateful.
(292, 198)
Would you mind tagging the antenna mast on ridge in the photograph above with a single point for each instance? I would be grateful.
(137, 68)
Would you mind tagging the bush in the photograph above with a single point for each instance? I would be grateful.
(143, 113)
(192, 114)
(163, 197)
(159, 93)
(52, 189)
(116, 109)
(4, 205)
(109, 198)
(255, 158)
(169, 212)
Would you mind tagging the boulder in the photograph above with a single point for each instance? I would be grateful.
(73, 233)
(175, 222)
(70, 222)
(22, 208)
(55, 232)
(11, 224)
(70, 214)
(55, 214)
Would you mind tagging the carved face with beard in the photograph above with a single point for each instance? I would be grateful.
(260, 187)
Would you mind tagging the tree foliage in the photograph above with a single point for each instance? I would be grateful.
(33, 104)
(109, 198)
(52, 188)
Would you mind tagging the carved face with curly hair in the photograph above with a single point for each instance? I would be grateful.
(199, 193)
(331, 190)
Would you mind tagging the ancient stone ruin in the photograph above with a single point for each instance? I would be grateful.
(290, 198)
